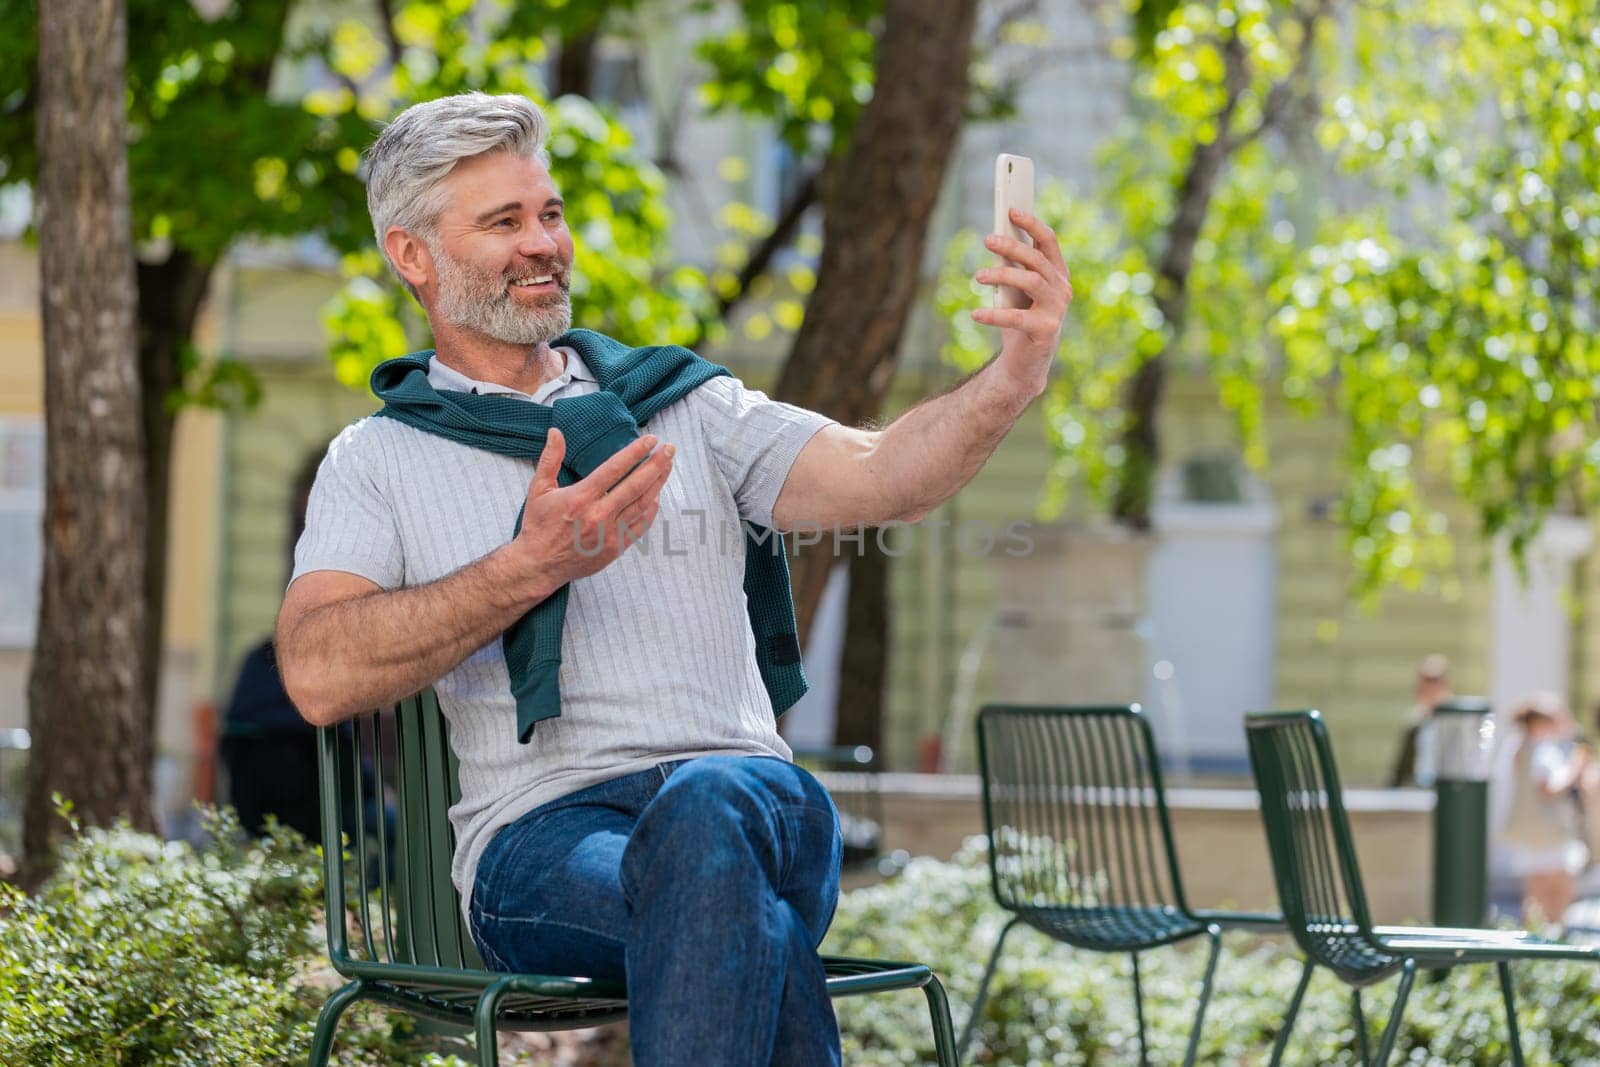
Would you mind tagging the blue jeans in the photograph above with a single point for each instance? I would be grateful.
(706, 884)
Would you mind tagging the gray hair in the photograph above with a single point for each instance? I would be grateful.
(415, 152)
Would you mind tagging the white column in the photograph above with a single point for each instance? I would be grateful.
(1530, 630)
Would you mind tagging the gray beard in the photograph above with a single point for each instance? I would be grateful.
(480, 302)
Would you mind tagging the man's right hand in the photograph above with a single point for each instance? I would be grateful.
(574, 531)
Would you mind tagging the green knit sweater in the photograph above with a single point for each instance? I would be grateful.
(635, 383)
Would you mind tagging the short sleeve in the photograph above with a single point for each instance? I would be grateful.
(754, 440)
(350, 520)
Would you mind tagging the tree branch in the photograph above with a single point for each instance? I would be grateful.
(386, 16)
(782, 233)
(1283, 94)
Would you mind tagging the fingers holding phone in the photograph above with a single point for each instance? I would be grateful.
(1013, 191)
(1032, 285)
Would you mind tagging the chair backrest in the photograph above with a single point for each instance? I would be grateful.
(1075, 809)
(1308, 837)
(394, 880)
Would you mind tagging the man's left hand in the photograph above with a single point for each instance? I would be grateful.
(1028, 336)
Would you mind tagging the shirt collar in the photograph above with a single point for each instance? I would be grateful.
(443, 376)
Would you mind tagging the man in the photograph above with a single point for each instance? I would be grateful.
(628, 808)
(1417, 763)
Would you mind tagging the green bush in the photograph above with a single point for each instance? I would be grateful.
(1053, 1005)
(142, 952)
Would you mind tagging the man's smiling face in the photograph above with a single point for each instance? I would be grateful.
(502, 253)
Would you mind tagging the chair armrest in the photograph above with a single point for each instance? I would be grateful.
(1261, 922)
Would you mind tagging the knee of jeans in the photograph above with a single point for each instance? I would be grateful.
(768, 781)
(710, 817)
(714, 787)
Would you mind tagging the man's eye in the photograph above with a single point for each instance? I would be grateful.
(506, 222)
(552, 216)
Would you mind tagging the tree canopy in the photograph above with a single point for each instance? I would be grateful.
(1416, 252)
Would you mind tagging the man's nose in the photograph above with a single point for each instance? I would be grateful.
(538, 243)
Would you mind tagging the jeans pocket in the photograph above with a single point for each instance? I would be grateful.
(484, 877)
(475, 923)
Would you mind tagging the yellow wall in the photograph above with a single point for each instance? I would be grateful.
(1356, 665)
(21, 347)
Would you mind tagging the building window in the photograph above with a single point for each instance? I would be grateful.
(21, 527)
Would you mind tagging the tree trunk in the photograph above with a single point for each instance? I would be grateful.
(1142, 397)
(864, 663)
(575, 64)
(88, 707)
(878, 202)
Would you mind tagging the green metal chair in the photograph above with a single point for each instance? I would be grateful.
(1080, 842)
(1325, 904)
(394, 921)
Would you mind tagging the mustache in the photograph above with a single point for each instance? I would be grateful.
(553, 267)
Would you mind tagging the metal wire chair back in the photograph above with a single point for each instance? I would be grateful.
(1313, 852)
(391, 900)
(1076, 812)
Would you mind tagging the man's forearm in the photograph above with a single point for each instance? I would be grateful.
(370, 650)
(927, 454)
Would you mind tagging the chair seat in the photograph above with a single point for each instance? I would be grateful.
(1127, 929)
(518, 1011)
(448, 995)
(1349, 954)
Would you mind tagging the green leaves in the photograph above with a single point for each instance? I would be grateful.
(1428, 272)
(139, 951)
(1461, 323)
(1113, 326)
(1115, 242)
(251, 125)
(806, 65)
(1051, 1004)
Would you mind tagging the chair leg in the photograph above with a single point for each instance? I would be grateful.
(486, 1037)
(1391, 1033)
(983, 989)
(1215, 933)
(1511, 1012)
(328, 1021)
(1138, 1010)
(944, 1029)
(1282, 1043)
(1361, 1026)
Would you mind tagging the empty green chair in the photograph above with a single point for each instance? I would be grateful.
(1080, 843)
(395, 928)
(1324, 903)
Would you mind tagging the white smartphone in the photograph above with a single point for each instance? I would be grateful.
(1013, 188)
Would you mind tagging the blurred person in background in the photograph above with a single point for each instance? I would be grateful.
(1418, 760)
(1541, 841)
(1589, 809)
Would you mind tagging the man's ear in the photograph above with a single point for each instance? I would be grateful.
(409, 255)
